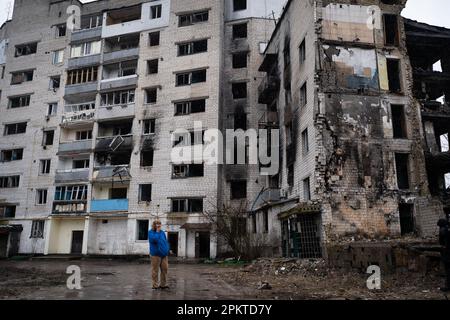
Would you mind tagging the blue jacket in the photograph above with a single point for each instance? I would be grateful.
(159, 247)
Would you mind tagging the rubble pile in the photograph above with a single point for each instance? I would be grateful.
(283, 266)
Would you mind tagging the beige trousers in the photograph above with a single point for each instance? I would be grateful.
(157, 264)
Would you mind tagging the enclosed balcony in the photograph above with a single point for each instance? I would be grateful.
(90, 28)
(119, 75)
(117, 104)
(121, 48)
(70, 199)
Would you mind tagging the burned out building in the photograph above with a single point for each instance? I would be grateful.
(87, 117)
(361, 145)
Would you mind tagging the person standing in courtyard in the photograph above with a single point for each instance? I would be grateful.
(159, 252)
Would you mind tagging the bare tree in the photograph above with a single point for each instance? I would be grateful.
(230, 223)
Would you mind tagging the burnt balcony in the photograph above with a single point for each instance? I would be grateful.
(269, 120)
(114, 144)
(268, 89)
(119, 173)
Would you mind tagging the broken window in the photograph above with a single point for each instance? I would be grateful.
(147, 158)
(9, 182)
(398, 121)
(142, 230)
(41, 196)
(115, 98)
(83, 135)
(187, 205)
(402, 166)
(7, 211)
(55, 82)
(193, 18)
(240, 31)
(188, 78)
(118, 193)
(302, 52)
(149, 126)
(22, 76)
(91, 22)
(240, 119)
(188, 170)
(80, 164)
(48, 137)
(61, 30)
(151, 95)
(192, 47)
(19, 102)
(393, 69)
(240, 60)
(238, 189)
(152, 66)
(145, 192)
(11, 155)
(239, 5)
(188, 107)
(406, 218)
(303, 95)
(239, 90)
(15, 128)
(37, 229)
(305, 142)
(306, 190)
(52, 109)
(26, 49)
(44, 166)
(154, 38)
(155, 11)
(391, 29)
(84, 75)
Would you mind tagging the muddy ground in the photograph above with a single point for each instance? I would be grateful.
(282, 279)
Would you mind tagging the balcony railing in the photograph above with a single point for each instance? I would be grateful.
(69, 207)
(75, 89)
(117, 111)
(108, 173)
(74, 175)
(86, 34)
(132, 53)
(77, 118)
(109, 205)
(119, 82)
(75, 147)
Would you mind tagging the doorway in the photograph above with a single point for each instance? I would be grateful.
(173, 243)
(77, 242)
(202, 245)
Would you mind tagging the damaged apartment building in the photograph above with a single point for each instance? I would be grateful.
(364, 122)
(87, 117)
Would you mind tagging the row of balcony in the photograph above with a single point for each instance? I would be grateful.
(101, 145)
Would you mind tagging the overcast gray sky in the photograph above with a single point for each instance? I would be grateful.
(429, 11)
